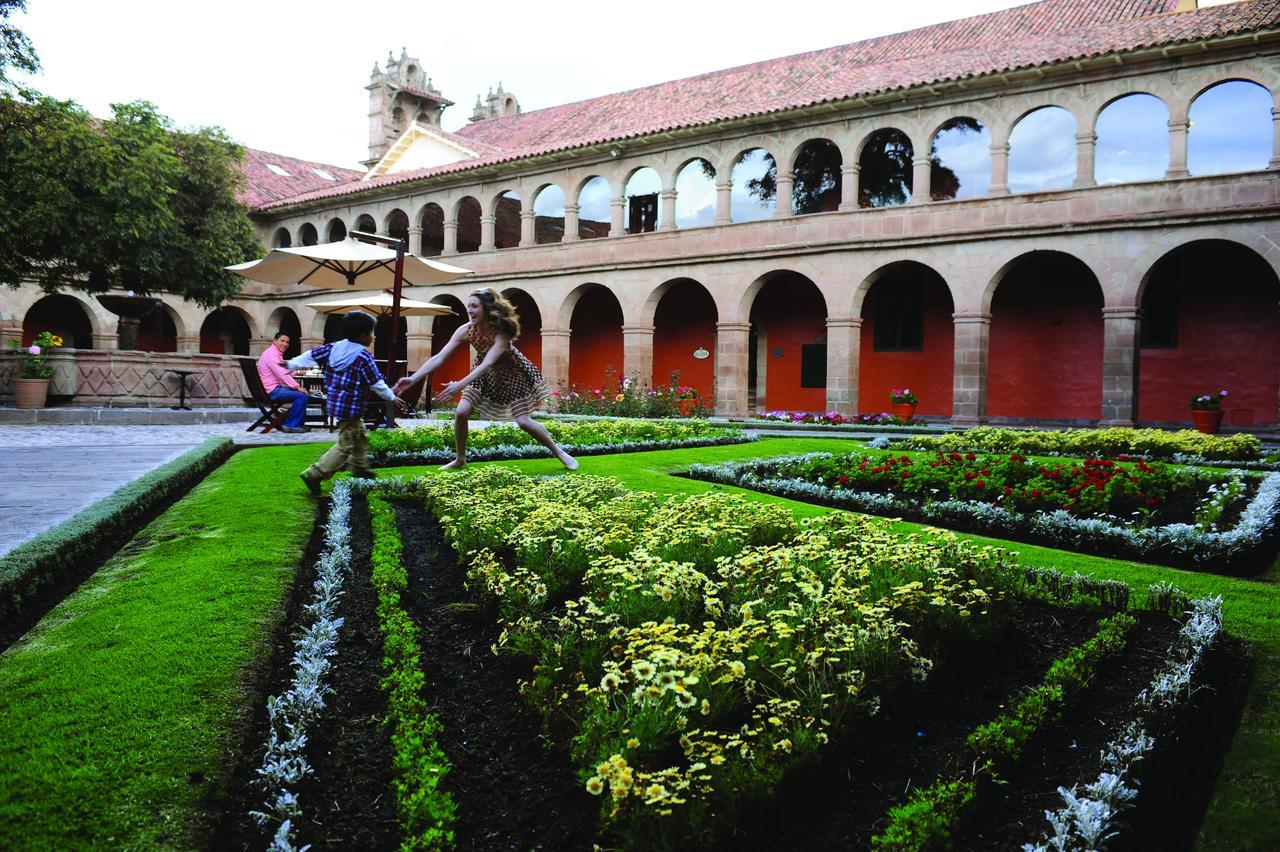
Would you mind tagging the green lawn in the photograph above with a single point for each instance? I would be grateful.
(1242, 813)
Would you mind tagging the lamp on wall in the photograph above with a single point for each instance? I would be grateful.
(615, 151)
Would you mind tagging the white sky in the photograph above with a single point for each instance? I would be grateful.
(289, 77)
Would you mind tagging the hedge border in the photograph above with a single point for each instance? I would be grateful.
(31, 573)
(510, 452)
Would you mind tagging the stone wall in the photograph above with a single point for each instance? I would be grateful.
(118, 379)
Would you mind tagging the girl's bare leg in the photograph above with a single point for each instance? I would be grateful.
(461, 426)
(542, 436)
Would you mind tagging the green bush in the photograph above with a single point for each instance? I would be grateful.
(1106, 443)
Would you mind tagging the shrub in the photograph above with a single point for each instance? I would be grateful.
(1103, 443)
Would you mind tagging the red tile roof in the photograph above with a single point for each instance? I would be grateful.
(1027, 36)
(263, 186)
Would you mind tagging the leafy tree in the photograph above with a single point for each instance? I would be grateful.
(15, 48)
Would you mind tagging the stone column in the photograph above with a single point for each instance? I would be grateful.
(786, 184)
(969, 391)
(450, 237)
(1085, 145)
(999, 170)
(724, 203)
(486, 232)
(844, 344)
(1275, 138)
(616, 206)
(849, 186)
(10, 330)
(415, 240)
(106, 340)
(571, 223)
(1120, 350)
(191, 343)
(555, 357)
(667, 210)
(527, 223)
(417, 340)
(732, 339)
(637, 353)
(1178, 128)
(921, 180)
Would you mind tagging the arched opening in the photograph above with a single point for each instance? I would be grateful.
(595, 346)
(442, 329)
(1042, 151)
(755, 186)
(696, 195)
(1133, 140)
(548, 215)
(530, 341)
(225, 331)
(817, 178)
(398, 225)
(157, 332)
(432, 231)
(506, 222)
(593, 209)
(281, 238)
(333, 328)
(684, 338)
(307, 235)
(644, 197)
(908, 340)
(366, 225)
(468, 225)
(1230, 129)
(337, 230)
(787, 353)
(286, 321)
(1046, 340)
(1203, 331)
(960, 160)
(382, 342)
(884, 169)
(62, 315)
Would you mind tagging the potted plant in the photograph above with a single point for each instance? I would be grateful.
(1206, 411)
(31, 385)
(902, 403)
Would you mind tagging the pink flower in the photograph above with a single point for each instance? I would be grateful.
(34, 350)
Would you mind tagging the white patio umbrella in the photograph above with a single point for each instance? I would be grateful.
(379, 304)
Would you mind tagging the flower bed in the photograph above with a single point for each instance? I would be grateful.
(1100, 443)
(629, 398)
(1143, 511)
(834, 418)
(435, 442)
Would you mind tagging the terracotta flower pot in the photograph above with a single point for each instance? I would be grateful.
(903, 410)
(30, 393)
(1207, 421)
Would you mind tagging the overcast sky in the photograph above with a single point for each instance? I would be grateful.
(289, 76)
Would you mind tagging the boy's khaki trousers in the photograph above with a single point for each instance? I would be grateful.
(350, 452)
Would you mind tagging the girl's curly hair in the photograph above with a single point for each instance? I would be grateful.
(499, 314)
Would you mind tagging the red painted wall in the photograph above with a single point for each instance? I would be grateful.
(1046, 342)
(788, 312)
(927, 373)
(684, 321)
(61, 315)
(530, 341)
(596, 341)
(459, 363)
(1228, 338)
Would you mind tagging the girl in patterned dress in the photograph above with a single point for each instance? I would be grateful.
(503, 384)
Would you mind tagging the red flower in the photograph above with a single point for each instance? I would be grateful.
(1007, 491)
(970, 456)
(842, 479)
(982, 483)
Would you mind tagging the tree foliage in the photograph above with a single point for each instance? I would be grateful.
(125, 203)
(15, 48)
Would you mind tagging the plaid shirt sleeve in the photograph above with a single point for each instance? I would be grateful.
(346, 389)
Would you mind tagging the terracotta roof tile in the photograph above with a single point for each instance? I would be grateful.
(1023, 37)
(263, 186)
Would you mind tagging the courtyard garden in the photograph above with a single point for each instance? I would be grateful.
(701, 639)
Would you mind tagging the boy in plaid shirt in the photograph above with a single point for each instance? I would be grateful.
(348, 370)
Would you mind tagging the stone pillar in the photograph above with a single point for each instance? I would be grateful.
(450, 237)
(732, 339)
(417, 340)
(1178, 128)
(724, 203)
(999, 170)
(637, 353)
(555, 358)
(571, 223)
(786, 185)
(486, 232)
(844, 344)
(415, 240)
(527, 223)
(616, 206)
(849, 186)
(1275, 138)
(667, 210)
(921, 179)
(258, 345)
(1120, 349)
(107, 340)
(969, 391)
(191, 343)
(1085, 146)
(10, 330)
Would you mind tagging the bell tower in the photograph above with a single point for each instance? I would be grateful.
(398, 97)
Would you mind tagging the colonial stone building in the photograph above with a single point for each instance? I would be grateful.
(1064, 212)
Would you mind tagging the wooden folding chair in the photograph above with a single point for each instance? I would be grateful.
(272, 417)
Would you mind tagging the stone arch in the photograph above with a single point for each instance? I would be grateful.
(885, 174)
(335, 230)
(548, 214)
(63, 314)
(643, 208)
(695, 183)
(281, 238)
(959, 168)
(815, 166)
(786, 357)
(396, 224)
(307, 235)
(431, 222)
(159, 329)
(442, 328)
(228, 327)
(683, 314)
(1123, 154)
(592, 196)
(594, 315)
(507, 208)
(1225, 137)
(530, 340)
(466, 213)
(753, 175)
(1139, 270)
(1044, 157)
(365, 223)
(285, 319)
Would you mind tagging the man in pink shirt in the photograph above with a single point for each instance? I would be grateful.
(279, 383)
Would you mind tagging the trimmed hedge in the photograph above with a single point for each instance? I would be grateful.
(1102, 443)
(36, 567)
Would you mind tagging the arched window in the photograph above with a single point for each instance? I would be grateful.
(432, 231)
(884, 169)
(548, 215)
(506, 221)
(817, 178)
(1133, 140)
(398, 225)
(365, 224)
(593, 209)
(1042, 151)
(337, 230)
(1230, 129)
(307, 235)
(960, 160)
(468, 225)
(696, 195)
(644, 194)
(755, 186)
(281, 238)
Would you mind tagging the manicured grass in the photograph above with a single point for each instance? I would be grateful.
(1241, 815)
(120, 709)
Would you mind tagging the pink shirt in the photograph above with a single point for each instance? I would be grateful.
(272, 371)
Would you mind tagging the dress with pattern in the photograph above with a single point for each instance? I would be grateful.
(513, 387)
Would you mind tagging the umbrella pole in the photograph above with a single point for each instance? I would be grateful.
(392, 362)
